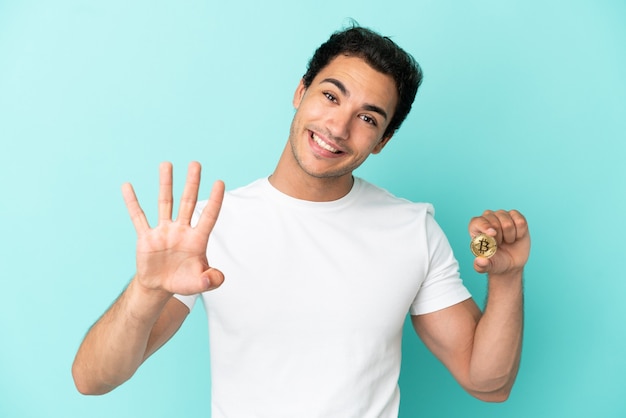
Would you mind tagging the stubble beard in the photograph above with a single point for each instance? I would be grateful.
(330, 174)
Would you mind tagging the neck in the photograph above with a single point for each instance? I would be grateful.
(290, 179)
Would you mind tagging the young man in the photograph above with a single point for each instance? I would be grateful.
(321, 267)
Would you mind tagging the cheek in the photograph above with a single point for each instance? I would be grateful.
(316, 111)
(369, 139)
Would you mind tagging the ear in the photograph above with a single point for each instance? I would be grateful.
(379, 147)
(299, 94)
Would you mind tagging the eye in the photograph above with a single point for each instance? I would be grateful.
(330, 97)
(369, 119)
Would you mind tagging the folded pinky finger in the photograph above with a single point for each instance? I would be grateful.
(521, 224)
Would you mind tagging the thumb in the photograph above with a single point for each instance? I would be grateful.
(482, 264)
(213, 278)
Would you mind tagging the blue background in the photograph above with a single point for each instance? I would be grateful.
(523, 106)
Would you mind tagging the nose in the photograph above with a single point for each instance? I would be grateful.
(338, 123)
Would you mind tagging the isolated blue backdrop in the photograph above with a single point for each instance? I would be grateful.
(523, 106)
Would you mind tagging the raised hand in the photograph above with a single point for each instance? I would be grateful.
(172, 256)
(510, 230)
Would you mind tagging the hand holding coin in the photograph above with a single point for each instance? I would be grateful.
(500, 242)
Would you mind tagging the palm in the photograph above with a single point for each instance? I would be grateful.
(172, 255)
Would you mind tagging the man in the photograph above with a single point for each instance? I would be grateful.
(321, 267)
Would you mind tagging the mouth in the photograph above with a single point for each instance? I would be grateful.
(319, 141)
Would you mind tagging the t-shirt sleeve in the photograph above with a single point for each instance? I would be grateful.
(442, 286)
(189, 300)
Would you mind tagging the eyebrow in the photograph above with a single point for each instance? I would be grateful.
(342, 88)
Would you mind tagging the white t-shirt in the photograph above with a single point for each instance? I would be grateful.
(308, 322)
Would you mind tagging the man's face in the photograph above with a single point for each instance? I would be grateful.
(341, 117)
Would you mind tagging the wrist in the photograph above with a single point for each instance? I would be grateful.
(144, 287)
(509, 282)
(509, 276)
(145, 303)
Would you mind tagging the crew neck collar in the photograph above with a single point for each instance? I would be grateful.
(285, 198)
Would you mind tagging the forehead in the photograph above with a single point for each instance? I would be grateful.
(361, 80)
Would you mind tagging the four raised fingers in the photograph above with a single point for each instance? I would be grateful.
(187, 203)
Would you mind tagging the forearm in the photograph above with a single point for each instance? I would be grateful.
(497, 342)
(117, 344)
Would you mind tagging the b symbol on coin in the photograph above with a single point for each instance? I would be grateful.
(483, 245)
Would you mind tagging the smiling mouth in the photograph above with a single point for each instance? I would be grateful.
(323, 144)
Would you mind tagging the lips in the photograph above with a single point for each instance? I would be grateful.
(324, 145)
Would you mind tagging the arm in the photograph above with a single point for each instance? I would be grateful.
(171, 258)
(483, 350)
(134, 327)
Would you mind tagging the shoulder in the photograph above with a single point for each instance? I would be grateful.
(377, 197)
(233, 198)
(250, 190)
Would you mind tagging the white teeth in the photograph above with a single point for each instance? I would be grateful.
(323, 144)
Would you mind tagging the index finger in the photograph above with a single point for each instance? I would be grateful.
(137, 216)
(482, 225)
(212, 209)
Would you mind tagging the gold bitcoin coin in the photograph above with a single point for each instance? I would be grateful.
(483, 245)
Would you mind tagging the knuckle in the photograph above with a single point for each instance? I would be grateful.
(507, 223)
